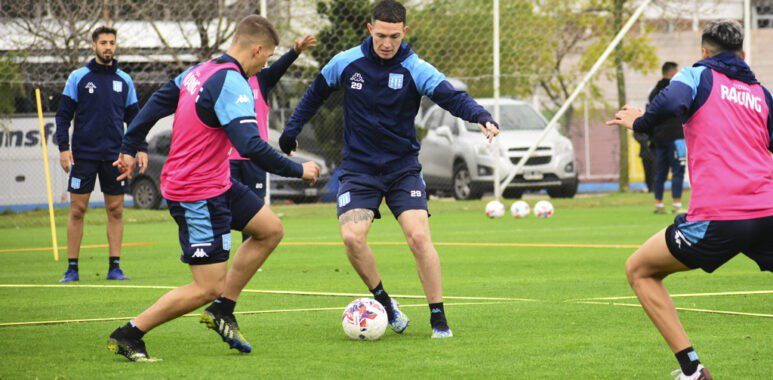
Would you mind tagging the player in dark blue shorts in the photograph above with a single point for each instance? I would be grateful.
(728, 128)
(101, 98)
(383, 81)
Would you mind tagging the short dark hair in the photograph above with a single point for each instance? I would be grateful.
(723, 36)
(102, 30)
(668, 67)
(256, 28)
(389, 11)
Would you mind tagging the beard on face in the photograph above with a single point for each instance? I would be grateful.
(105, 59)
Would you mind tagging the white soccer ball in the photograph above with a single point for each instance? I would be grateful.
(364, 319)
(495, 209)
(543, 209)
(520, 209)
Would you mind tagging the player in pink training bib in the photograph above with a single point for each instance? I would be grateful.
(728, 129)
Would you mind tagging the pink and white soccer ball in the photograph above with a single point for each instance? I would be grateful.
(495, 209)
(364, 319)
(543, 209)
(520, 209)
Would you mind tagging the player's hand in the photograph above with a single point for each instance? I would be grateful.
(142, 158)
(304, 43)
(65, 159)
(287, 144)
(125, 164)
(626, 116)
(310, 172)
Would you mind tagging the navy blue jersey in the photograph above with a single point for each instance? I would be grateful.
(381, 100)
(101, 98)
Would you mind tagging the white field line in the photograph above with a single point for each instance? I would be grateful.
(725, 312)
(736, 293)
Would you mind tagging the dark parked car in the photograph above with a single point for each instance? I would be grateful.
(146, 191)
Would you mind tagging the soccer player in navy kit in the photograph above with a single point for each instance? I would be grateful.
(383, 81)
(101, 98)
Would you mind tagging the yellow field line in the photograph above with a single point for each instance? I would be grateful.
(276, 311)
(739, 293)
(464, 244)
(282, 292)
(682, 308)
(47, 249)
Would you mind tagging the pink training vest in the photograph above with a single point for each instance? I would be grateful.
(261, 113)
(731, 170)
(197, 167)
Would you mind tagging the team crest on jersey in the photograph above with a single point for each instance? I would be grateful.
(117, 86)
(395, 81)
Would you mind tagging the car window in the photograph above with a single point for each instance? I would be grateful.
(514, 117)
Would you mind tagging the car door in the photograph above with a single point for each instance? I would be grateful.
(448, 146)
(430, 145)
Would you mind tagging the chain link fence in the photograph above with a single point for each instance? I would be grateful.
(546, 46)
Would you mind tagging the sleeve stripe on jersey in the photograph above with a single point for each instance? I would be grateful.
(426, 76)
(691, 76)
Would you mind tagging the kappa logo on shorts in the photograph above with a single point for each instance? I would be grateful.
(678, 237)
(344, 199)
(199, 254)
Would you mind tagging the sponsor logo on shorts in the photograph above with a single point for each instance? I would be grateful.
(199, 253)
(344, 199)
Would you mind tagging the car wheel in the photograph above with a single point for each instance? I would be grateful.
(462, 186)
(146, 194)
(568, 189)
(512, 193)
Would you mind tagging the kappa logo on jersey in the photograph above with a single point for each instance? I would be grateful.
(117, 86)
(357, 81)
(242, 99)
(200, 253)
(395, 81)
(91, 87)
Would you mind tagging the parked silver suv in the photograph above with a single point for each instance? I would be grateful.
(456, 158)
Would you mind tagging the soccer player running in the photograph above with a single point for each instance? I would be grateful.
(101, 97)
(214, 110)
(383, 81)
(728, 128)
(243, 169)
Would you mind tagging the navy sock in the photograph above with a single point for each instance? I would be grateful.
(132, 332)
(437, 316)
(72, 264)
(115, 262)
(223, 306)
(688, 360)
(383, 298)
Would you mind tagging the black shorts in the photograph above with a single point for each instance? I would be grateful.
(710, 244)
(204, 227)
(83, 176)
(250, 174)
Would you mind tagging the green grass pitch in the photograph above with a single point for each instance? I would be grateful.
(549, 337)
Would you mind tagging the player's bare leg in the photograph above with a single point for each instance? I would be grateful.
(79, 204)
(646, 269)
(208, 283)
(114, 209)
(355, 225)
(415, 225)
(266, 231)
